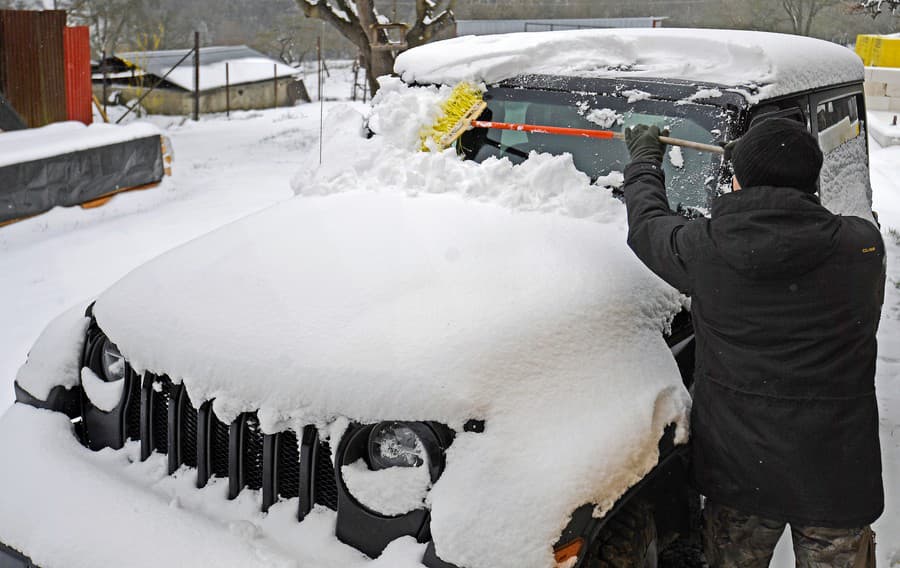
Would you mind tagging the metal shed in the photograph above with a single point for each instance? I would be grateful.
(32, 64)
(231, 77)
(487, 27)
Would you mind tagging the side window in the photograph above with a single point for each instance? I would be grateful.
(838, 122)
(792, 114)
(844, 186)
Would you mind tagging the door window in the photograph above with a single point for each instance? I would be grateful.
(844, 186)
(838, 122)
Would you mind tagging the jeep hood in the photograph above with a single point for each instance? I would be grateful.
(372, 306)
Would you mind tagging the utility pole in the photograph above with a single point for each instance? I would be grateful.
(196, 76)
(227, 91)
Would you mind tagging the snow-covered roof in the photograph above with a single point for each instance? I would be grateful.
(484, 27)
(776, 63)
(245, 65)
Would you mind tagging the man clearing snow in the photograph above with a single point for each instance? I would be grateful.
(786, 299)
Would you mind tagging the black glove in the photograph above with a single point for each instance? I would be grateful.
(729, 149)
(643, 143)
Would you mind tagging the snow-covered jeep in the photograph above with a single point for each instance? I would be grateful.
(433, 358)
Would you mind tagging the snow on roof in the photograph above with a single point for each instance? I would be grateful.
(778, 63)
(245, 65)
(18, 146)
(484, 27)
(510, 297)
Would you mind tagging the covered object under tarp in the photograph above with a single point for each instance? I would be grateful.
(69, 164)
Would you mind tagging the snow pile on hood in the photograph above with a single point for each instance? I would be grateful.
(20, 146)
(510, 297)
(778, 63)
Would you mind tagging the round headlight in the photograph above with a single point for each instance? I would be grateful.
(395, 444)
(111, 361)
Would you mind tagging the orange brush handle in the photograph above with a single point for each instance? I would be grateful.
(587, 133)
(602, 134)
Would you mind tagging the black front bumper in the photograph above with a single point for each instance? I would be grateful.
(10, 558)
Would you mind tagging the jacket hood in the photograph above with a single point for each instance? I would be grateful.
(765, 232)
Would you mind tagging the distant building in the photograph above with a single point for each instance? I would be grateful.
(231, 77)
(487, 27)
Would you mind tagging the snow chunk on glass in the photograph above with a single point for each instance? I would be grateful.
(604, 117)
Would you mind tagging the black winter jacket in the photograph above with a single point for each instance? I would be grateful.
(785, 299)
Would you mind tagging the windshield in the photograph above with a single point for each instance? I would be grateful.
(692, 176)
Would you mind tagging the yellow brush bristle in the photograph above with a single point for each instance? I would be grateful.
(462, 98)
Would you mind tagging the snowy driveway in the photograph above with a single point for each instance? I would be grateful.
(226, 169)
(223, 170)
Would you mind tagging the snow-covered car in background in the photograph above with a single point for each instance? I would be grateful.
(435, 359)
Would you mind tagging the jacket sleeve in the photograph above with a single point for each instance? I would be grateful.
(656, 234)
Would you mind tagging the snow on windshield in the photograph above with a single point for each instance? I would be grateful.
(777, 63)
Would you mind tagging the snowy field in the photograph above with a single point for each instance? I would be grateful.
(228, 168)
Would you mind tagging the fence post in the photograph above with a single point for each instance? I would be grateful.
(275, 75)
(227, 91)
(105, 79)
(196, 75)
(319, 65)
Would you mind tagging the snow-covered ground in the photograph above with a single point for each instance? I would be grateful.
(228, 168)
(224, 169)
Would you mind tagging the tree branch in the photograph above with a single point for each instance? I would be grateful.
(422, 32)
(323, 12)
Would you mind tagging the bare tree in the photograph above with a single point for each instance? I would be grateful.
(801, 13)
(109, 20)
(876, 7)
(359, 20)
(760, 15)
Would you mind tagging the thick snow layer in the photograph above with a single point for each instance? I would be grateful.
(244, 70)
(446, 310)
(55, 358)
(19, 146)
(225, 168)
(882, 128)
(437, 307)
(777, 63)
(393, 491)
(143, 517)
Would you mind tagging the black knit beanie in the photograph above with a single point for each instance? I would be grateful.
(777, 152)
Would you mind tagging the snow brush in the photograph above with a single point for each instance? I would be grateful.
(465, 104)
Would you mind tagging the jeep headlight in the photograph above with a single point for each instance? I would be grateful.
(399, 444)
(112, 364)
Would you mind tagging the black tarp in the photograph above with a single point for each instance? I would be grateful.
(9, 118)
(33, 187)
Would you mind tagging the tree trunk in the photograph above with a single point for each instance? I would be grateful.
(378, 63)
(357, 22)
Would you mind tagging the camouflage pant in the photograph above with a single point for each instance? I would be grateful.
(732, 539)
